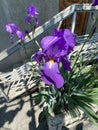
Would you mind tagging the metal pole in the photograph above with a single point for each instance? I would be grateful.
(3, 94)
(73, 22)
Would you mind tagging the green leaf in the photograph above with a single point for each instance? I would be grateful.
(87, 110)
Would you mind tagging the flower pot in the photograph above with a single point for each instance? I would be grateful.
(65, 121)
(57, 122)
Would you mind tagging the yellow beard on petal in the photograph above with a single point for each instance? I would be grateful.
(51, 61)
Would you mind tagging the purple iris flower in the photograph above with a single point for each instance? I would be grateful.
(55, 49)
(32, 13)
(13, 29)
(95, 2)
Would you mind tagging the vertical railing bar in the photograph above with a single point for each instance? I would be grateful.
(3, 94)
(73, 22)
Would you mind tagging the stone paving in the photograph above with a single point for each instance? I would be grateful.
(19, 115)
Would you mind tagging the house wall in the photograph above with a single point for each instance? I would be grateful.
(15, 11)
(91, 20)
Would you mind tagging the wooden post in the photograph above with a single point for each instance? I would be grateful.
(81, 17)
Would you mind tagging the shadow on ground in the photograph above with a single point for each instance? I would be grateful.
(6, 115)
(42, 124)
(19, 114)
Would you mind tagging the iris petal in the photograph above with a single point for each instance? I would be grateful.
(20, 35)
(11, 28)
(36, 20)
(66, 64)
(54, 46)
(32, 10)
(58, 49)
(58, 33)
(95, 2)
(27, 20)
(55, 49)
(32, 13)
(51, 75)
(48, 41)
(70, 39)
(38, 56)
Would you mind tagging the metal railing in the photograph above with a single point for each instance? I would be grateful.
(71, 10)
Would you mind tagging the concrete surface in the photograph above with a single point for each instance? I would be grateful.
(19, 115)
